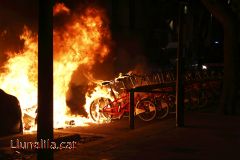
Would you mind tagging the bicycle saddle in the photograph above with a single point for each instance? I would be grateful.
(105, 83)
(119, 79)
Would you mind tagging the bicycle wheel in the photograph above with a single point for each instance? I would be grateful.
(145, 110)
(97, 109)
(162, 107)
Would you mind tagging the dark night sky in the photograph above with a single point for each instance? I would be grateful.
(143, 43)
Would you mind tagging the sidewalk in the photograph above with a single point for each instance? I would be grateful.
(205, 136)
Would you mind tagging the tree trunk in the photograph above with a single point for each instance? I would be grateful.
(228, 19)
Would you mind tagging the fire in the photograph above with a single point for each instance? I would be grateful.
(60, 8)
(99, 91)
(20, 77)
(80, 42)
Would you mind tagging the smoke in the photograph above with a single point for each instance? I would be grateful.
(128, 53)
(76, 99)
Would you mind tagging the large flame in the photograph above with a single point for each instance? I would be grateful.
(81, 41)
(20, 72)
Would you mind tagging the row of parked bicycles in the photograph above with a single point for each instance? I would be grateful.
(201, 87)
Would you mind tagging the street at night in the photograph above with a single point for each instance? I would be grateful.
(119, 79)
(205, 136)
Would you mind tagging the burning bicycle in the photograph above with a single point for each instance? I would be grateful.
(103, 108)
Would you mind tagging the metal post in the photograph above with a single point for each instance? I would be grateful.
(45, 79)
(179, 81)
(131, 112)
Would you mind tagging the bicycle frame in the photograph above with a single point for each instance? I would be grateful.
(119, 106)
(116, 108)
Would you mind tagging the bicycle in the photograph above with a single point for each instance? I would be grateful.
(105, 108)
(160, 103)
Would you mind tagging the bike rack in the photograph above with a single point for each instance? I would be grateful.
(147, 88)
(155, 83)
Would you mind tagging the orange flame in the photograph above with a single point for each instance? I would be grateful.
(60, 8)
(20, 77)
(81, 41)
